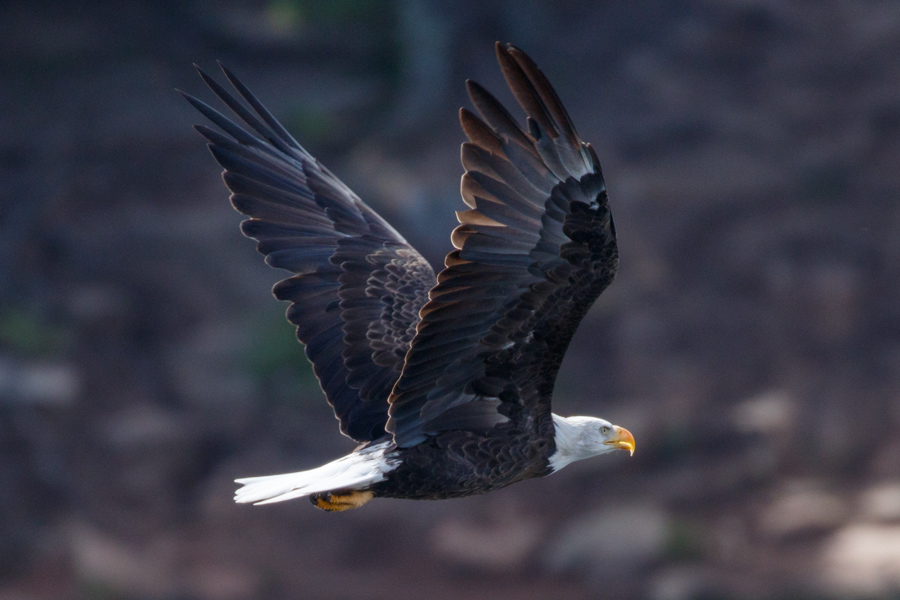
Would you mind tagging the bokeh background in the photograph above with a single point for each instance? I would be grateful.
(751, 341)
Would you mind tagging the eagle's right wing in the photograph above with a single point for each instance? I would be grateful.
(536, 249)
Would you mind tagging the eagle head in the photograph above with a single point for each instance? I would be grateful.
(584, 437)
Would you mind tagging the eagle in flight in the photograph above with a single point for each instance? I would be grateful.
(446, 381)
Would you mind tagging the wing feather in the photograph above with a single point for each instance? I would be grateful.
(357, 285)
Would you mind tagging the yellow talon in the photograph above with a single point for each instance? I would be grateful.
(337, 502)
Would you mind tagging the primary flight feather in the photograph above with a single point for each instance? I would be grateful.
(446, 380)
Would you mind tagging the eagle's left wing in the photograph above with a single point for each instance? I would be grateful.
(357, 285)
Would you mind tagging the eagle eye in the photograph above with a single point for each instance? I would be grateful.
(604, 430)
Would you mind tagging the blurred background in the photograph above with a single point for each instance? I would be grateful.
(751, 341)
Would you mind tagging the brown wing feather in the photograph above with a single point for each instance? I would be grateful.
(357, 286)
(535, 251)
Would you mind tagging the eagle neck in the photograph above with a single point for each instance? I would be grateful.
(566, 435)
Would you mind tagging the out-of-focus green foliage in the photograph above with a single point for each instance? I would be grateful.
(684, 540)
(291, 13)
(276, 353)
(25, 333)
(310, 124)
(284, 15)
(93, 589)
(676, 442)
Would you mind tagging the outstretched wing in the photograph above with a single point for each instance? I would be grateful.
(357, 286)
(536, 249)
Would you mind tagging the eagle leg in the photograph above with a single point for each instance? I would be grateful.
(341, 500)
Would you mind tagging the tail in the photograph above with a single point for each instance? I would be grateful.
(355, 471)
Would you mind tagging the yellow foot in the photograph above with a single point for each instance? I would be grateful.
(343, 500)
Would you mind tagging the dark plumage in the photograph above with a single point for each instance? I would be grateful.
(447, 381)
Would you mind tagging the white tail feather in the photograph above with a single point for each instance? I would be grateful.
(354, 471)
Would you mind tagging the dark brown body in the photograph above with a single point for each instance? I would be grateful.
(464, 463)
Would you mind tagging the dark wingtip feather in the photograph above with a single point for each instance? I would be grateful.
(278, 130)
(496, 115)
(523, 88)
(547, 94)
(203, 74)
(206, 110)
(220, 120)
(187, 96)
(478, 132)
(227, 72)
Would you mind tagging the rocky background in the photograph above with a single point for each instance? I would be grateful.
(751, 341)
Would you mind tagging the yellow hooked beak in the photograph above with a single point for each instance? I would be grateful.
(623, 440)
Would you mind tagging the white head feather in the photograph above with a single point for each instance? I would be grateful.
(583, 437)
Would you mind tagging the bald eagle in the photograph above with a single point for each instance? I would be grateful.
(445, 381)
